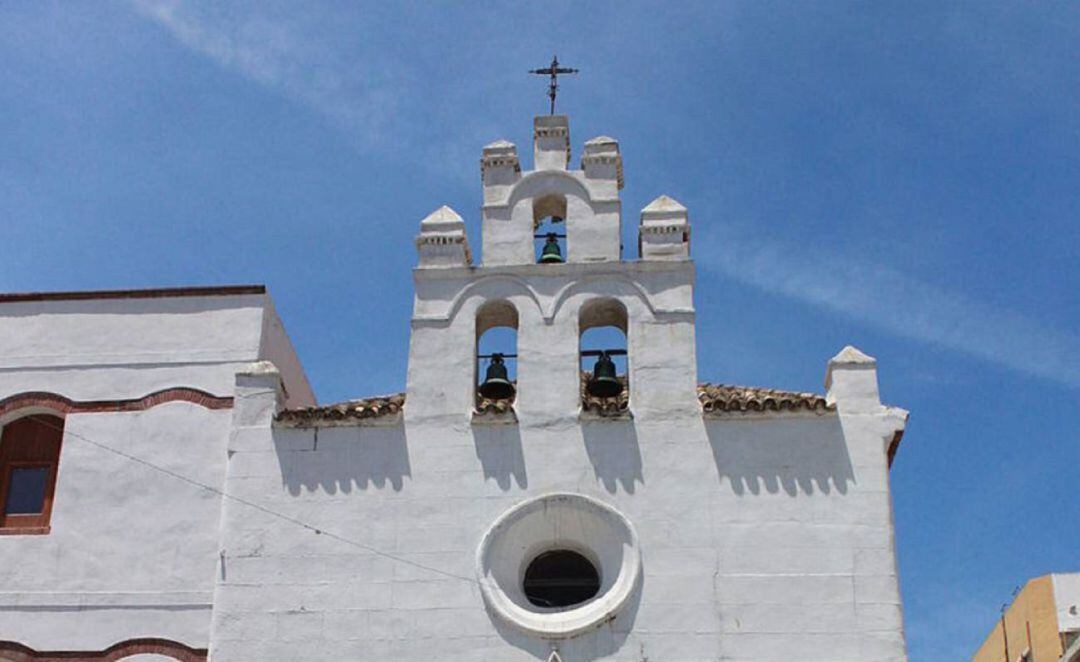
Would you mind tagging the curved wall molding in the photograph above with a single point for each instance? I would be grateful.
(487, 288)
(16, 652)
(44, 400)
(623, 288)
(540, 182)
(559, 520)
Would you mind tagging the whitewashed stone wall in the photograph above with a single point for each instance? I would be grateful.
(131, 552)
(763, 538)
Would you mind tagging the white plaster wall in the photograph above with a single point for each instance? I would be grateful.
(98, 332)
(762, 539)
(131, 552)
(660, 335)
(119, 382)
(592, 218)
(1067, 600)
(126, 348)
(276, 347)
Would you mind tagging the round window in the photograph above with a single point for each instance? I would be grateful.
(560, 578)
(559, 565)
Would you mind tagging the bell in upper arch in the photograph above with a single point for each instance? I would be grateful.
(604, 382)
(551, 254)
(497, 385)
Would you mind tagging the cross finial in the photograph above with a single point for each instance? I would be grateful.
(554, 70)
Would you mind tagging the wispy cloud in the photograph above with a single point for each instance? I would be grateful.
(280, 55)
(304, 58)
(892, 301)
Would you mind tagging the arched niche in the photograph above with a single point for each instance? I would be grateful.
(495, 314)
(496, 342)
(550, 206)
(549, 228)
(537, 185)
(542, 196)
(602, 328)
(603, 311)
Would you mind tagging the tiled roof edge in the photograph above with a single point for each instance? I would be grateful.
(343, 412)
(722, 398)
(716, 399)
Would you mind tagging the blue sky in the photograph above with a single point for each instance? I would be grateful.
(902, 177)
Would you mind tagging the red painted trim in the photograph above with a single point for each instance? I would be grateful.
(894, 446)
(156, 293)
(16, 652)
(59, 403)
(25, 530)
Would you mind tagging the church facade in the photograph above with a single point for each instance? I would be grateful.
(171, 489)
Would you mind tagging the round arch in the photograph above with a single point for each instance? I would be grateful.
(536, 185)
(629, 294)
(505, 287)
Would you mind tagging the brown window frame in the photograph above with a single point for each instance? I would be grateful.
(42, 449)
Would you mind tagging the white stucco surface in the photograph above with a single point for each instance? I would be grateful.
(96, 349)
(131, 551)
(761, 537)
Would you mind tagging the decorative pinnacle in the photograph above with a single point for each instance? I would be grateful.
(554, 70)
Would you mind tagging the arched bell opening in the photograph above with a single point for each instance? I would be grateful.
(603, 356)
(496, 354)
(549, 229)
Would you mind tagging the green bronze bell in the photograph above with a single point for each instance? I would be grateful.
(497, 385)
(604, 382)
(551, 254)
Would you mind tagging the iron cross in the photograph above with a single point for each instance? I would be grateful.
(554, 70)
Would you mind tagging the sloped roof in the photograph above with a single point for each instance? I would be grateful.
(664, 203)
(716, 399)
(720, 398)
(350, 410)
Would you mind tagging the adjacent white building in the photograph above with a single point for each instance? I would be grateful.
(171, 488)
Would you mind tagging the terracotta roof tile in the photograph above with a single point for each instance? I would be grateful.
(721, 398)
(345, 412)
(489, 406)
(614, 406)
(716, 400)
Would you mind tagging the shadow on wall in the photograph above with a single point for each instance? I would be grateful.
(615, 454)
(498, 447)
(604, 641)
(794, 455)
(333, 459)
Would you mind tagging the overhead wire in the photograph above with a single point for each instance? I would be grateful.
(317, 530)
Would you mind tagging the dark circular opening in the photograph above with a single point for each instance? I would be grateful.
(560, 578)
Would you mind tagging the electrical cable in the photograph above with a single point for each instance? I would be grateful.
(263, 509)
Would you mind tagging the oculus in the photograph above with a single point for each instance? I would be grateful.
(559, 565)
(560, 578)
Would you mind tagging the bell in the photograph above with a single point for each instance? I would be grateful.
(496, 384)
(551, 254)
(604, 383)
